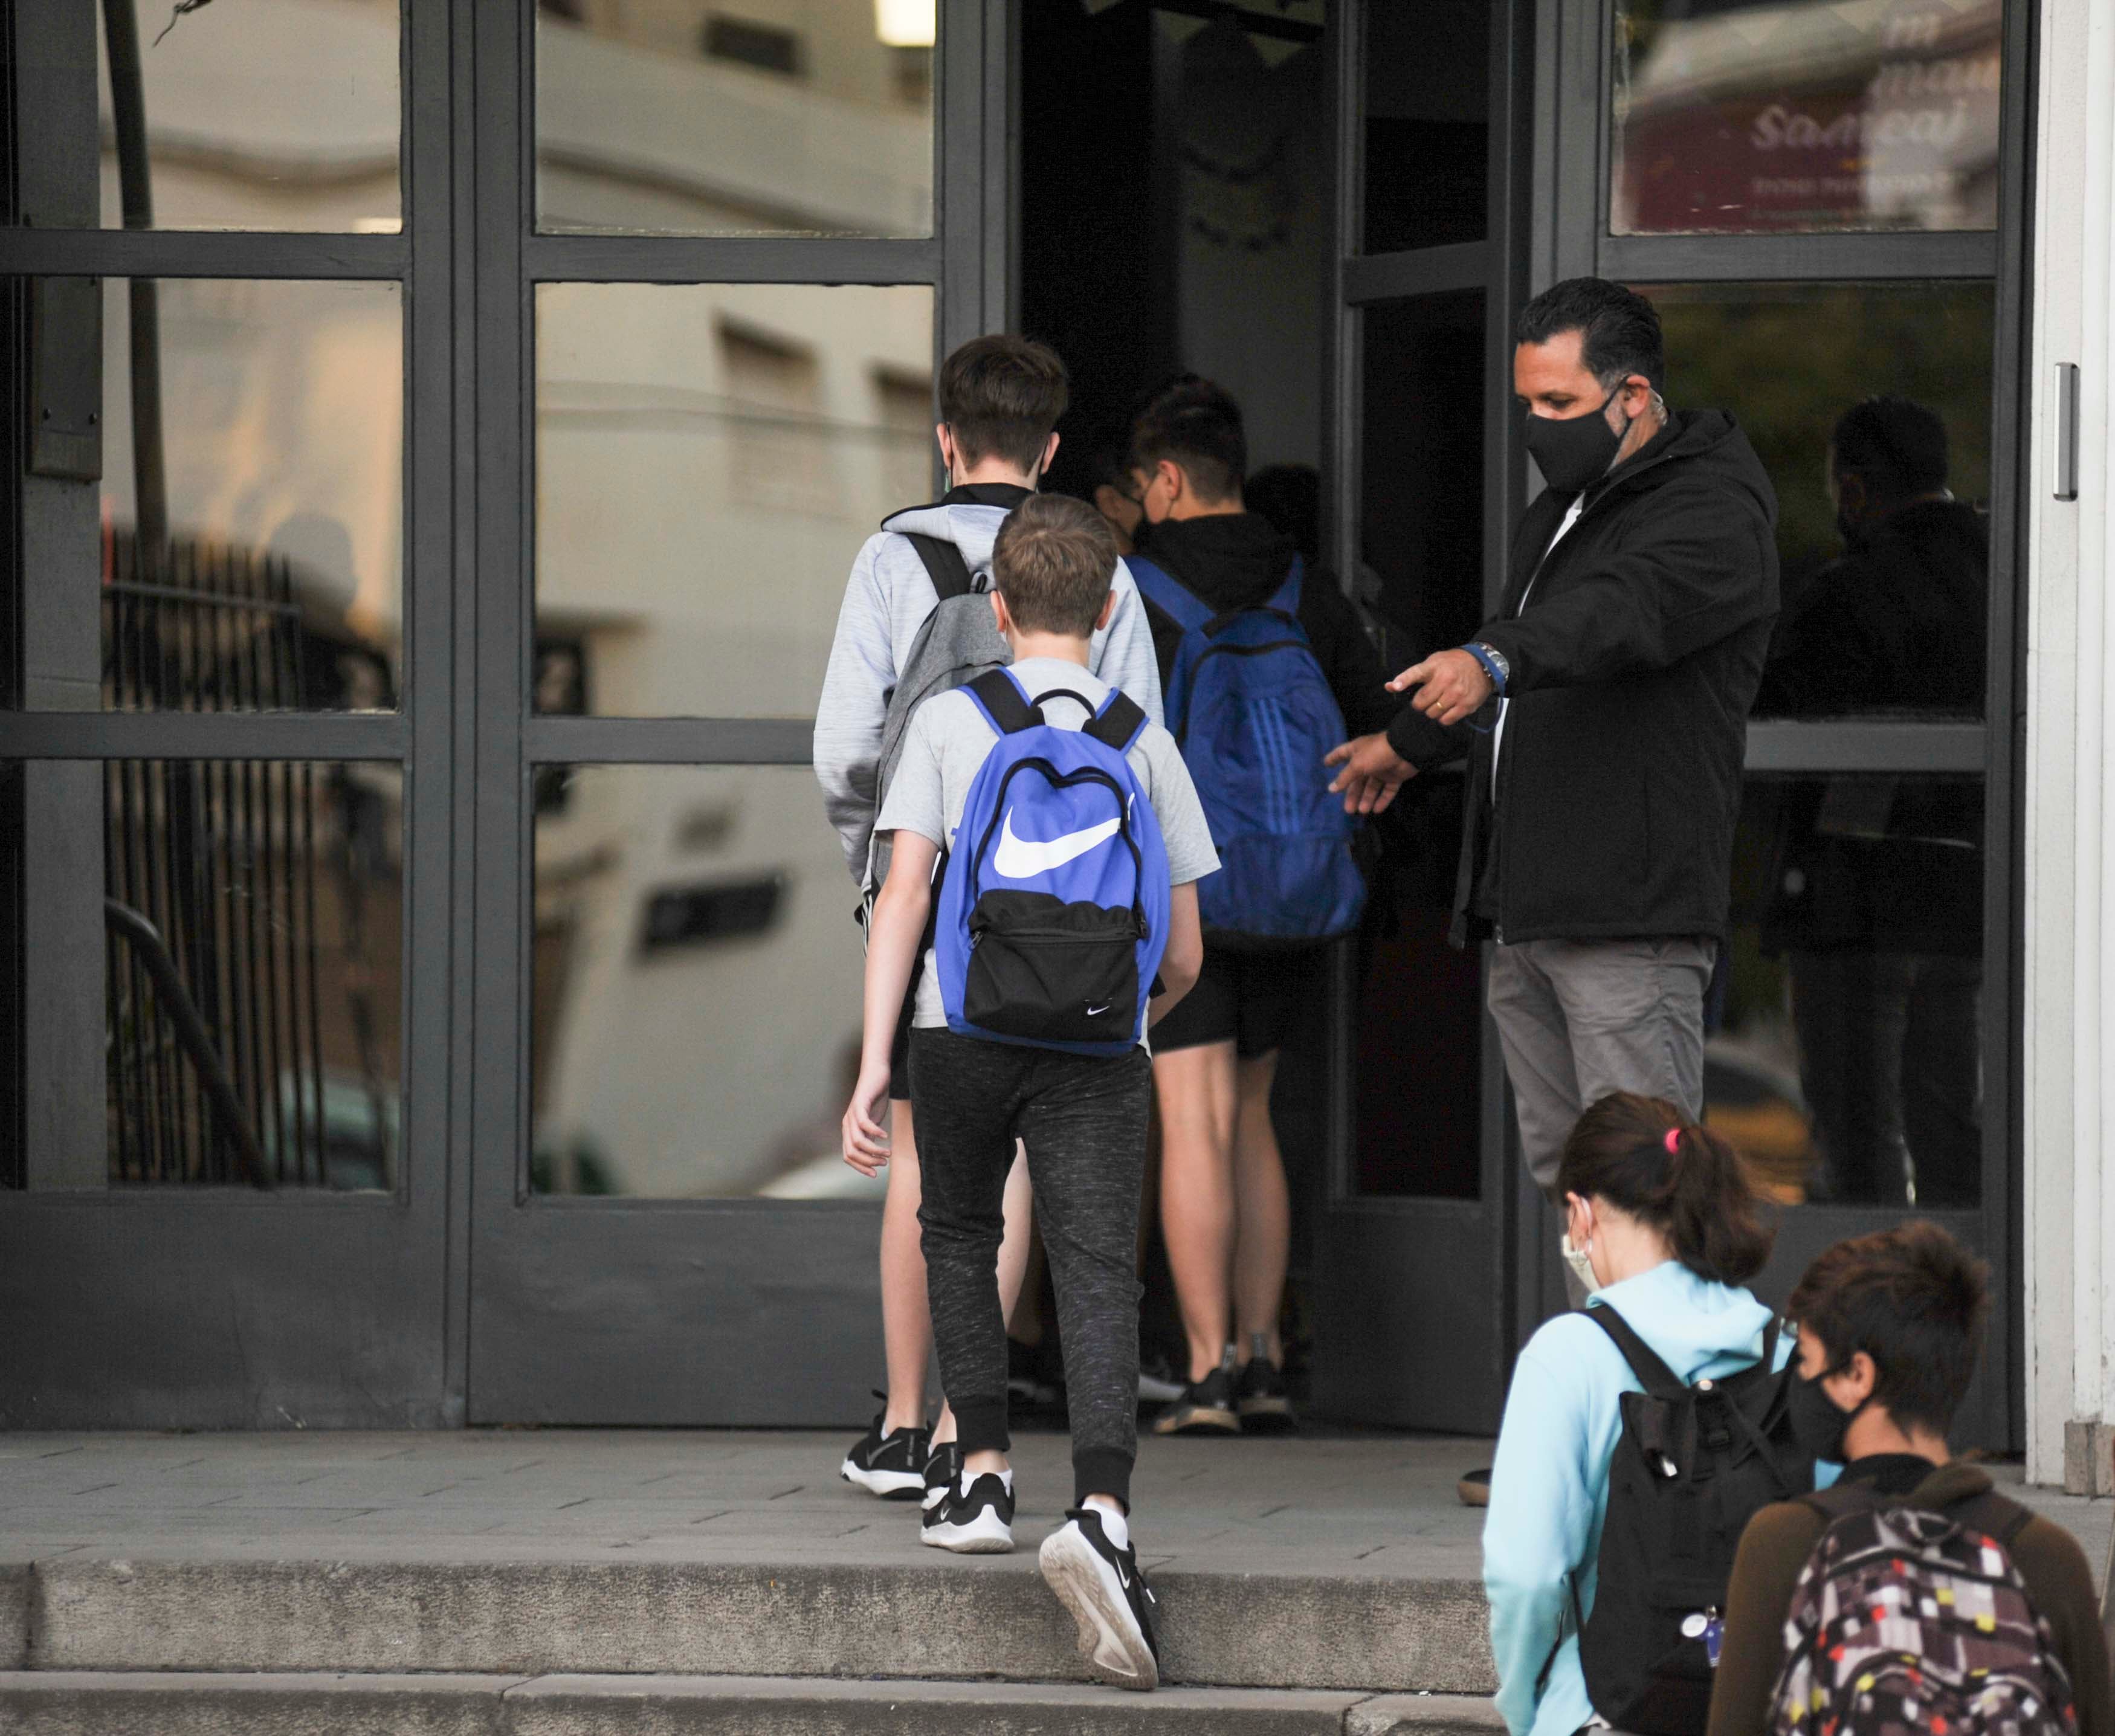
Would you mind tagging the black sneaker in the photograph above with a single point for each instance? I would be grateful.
(943, 1471)
(1109, 1599)
(1262, 1401)
(891, 1466)
(1205, 1407)
(975, 1521)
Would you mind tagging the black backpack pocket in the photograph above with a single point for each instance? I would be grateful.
(1045, 971)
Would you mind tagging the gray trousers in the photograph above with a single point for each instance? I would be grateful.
(1578, 1019)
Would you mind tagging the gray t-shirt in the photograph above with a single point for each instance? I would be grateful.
(945, 747)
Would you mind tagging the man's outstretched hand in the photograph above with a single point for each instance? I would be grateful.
(1455, 685)
(1372, 771)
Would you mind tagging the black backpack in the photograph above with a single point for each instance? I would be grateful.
(1691, 1467)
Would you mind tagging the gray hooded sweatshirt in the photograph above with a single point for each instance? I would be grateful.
(887, 600)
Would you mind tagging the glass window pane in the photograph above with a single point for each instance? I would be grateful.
(244, 951)
(1420, 1014)
(1885, 583)
(279, 114)
(1848, 1064)
(709, 459)
(247, 553)
(697, 1011)
(778, 117)
(1805, 116)
(1427, 124)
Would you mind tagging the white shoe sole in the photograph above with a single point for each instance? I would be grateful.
(1110, 1643)
(891, 1486)
(987, 1534)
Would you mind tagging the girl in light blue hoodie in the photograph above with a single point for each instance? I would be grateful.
(1659, 1210)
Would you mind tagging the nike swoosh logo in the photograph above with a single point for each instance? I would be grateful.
(1022, 858)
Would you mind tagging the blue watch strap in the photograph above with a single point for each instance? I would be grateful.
(1490, 665)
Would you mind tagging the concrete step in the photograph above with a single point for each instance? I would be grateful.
(107, 1703)
(945, 1617)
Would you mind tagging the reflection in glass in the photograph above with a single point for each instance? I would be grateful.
(253, 979)
(1884, 606)
(244, 553)
(1428, 124)
(1848, 1067)
(1805, 116)
(697, 972)
(1420, 1029)
(787, 117)
(277, 114)
(709, 459)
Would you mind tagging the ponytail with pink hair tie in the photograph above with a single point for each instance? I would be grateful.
(1674, 1142)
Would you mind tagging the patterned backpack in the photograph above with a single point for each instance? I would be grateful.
(1907, 1622)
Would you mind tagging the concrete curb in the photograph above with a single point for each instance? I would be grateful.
(541, 1618)
(17, 1584)
(110, 1703)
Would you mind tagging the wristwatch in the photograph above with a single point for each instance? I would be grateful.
(1493, 661)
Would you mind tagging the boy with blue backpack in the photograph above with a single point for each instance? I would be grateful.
(1261, 657)
(1046, 842)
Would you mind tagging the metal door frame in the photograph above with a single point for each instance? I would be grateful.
(730, 1312)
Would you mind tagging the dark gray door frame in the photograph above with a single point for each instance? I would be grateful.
(727, 1312)
(207, 1307)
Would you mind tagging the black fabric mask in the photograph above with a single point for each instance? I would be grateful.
(1575, 451)
(1817, 1421)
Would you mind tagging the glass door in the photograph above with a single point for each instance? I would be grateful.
(717, 262)
(1412, 1302)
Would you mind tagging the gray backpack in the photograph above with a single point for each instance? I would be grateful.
(958, 642)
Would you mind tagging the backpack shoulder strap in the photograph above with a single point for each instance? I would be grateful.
(1169, 594)
(2002, 1517)
(1657, 1378)
(1000, 697)
(1117, 723)
(944, 565)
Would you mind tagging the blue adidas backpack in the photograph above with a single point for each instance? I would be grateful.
(1254, 716)
(1054, 906)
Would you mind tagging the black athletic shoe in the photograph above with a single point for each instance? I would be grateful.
(1109, 1600)
(1262, 1401)
(975, 1521)
(1205, 1407)
(943, 1472)
(891, 1466)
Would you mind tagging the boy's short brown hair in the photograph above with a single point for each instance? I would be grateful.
(1052, 563)
(1001, 396)
(1913, 1299)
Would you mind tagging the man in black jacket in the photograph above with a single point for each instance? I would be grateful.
(1604, 711)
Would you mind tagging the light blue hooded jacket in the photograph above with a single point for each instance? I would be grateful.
(887, 600)
(1550, 1483)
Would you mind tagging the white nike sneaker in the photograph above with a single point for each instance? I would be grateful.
(1109, 1600)
(976, 1520)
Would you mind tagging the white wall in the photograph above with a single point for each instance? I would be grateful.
(2070, 823)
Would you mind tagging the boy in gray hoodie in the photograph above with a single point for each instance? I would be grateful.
(1000, 399)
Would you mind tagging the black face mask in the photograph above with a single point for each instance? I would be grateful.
(1817, 1421)
(1575, 451)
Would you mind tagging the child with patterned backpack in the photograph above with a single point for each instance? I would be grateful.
(1911, 1596)
(1046, 841)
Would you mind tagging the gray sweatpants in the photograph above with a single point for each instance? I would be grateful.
(1083, 1118)
(1578, 1019)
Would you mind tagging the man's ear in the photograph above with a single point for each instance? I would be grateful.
(1049, 456)
(999, 612)
(945, 436)
(1855, 1384)
(1108, 608)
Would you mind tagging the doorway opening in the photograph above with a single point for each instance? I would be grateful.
(1180, 177)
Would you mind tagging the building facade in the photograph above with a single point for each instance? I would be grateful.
(439, 433)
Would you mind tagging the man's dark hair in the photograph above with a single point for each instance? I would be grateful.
(1052, 563)
(1913, 1299)
(1898, 446)
(1620, 328)
(1196, 424)
(1002, 395)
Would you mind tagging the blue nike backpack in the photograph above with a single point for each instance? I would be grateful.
(1054, 906)
(1254, 716)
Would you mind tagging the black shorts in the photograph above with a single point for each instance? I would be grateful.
(899, 1052)
(1250, 998)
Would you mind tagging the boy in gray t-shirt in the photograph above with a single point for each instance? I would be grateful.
(1082, 1118)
